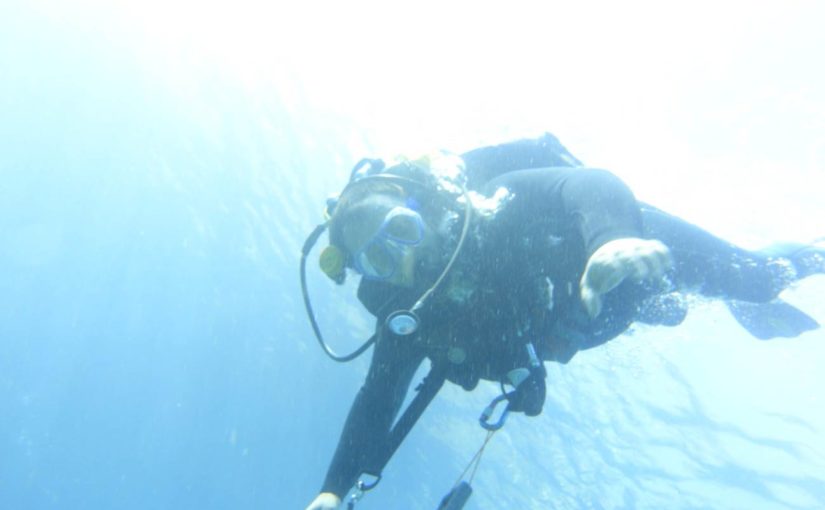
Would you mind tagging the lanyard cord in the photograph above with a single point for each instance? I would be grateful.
(475, 461)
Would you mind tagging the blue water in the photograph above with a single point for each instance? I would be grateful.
(154, 351)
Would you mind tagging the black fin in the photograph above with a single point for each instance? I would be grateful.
(771, 320)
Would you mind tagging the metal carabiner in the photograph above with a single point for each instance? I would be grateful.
(484, 419)
(353, 499)
(361, 488)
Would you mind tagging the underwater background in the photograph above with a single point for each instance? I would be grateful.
(162, 163)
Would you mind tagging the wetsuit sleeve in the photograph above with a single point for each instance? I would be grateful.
(369, 422)
(594, 203)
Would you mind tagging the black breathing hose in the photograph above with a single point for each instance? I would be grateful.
(310, 242)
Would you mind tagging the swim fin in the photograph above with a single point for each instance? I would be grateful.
(772, 319)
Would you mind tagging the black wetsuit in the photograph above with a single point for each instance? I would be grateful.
(517, 281)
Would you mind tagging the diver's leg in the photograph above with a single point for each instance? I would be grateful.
(714, 267)
(808, 259)
(486, 163)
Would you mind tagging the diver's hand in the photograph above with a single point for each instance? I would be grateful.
(617, 260)
(325, 501)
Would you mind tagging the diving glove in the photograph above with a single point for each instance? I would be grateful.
(618, 260)
(325, 501)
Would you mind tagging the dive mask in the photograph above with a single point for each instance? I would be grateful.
(381, 256)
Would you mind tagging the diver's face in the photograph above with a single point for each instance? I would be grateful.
(384, 244)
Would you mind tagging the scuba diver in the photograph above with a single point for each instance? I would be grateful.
(490, 264)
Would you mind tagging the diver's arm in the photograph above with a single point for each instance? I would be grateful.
(609, 220)
(600, 212)
(594, 204)
(369, 421)
(601, 206)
